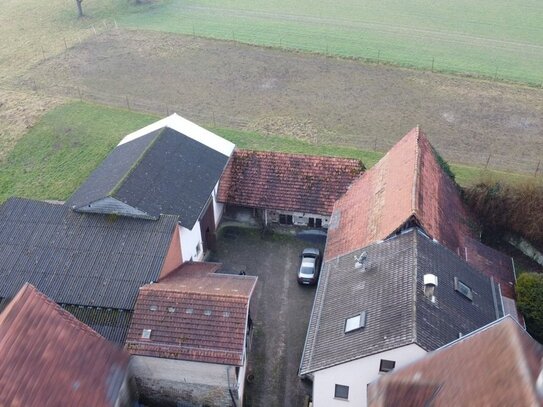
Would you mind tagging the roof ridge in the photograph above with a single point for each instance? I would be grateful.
(117, 186)
(414, 283)
(286, 153)
(416, 175)
(522, 365)
(152, 287)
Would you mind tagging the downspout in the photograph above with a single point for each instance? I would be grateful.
(234, 402)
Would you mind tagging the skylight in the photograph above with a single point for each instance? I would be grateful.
(146, 334)
(356, 322)
(153, 308)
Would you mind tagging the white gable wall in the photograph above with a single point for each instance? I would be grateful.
(218, 208)
(357, 374)
(190, 240)
(187, 128)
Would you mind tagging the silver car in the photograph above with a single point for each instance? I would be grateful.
(310, 266)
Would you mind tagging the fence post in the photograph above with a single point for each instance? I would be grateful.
(127, 103)
(488, 160)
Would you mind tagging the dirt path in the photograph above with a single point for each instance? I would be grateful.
(322, 99)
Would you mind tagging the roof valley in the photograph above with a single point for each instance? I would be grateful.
(414, 283)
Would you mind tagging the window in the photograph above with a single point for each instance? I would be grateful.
(386, 366)
(198, 248)
(463, 289)
(341, 392)
(285, 219)
(356, 322)
(146, 334)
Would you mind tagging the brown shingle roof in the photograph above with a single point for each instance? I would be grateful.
(290, 182)
(194, 314)
(49, 358)
(495, 366)
(409, 185)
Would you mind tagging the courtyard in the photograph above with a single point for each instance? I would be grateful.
(280, 310)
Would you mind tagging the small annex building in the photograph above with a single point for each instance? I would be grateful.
(91, 264)
(497, 365)
(170, 167)
(189, 337)
(290, 189)
(48, 358)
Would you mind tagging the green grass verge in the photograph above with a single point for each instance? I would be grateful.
(57, 154)
(492, 38)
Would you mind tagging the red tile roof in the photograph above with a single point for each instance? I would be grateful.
(408, 185)
(194, 314)
(495, 366)
(289, 182)
(49, 358)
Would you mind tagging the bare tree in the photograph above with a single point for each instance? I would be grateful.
(79, 8)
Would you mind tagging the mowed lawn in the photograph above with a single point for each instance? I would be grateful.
(493, 38)
(57, 154)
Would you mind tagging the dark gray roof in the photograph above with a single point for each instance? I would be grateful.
(390, 290)
(112, 324)
(163, 172)
(81, 259)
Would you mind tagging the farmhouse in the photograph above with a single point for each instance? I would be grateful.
(291, 189)
(171, 167)
(189, 337)
(497, 365)
(403, 275)
(49, 358)
(376, 313)
(408, 188)
(91, 264)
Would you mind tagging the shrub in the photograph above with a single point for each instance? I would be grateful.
(506, 208)
(530, 302)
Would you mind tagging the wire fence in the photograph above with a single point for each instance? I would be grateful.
(211, 118)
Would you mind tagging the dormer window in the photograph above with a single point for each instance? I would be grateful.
(463, 289)
(356, 322)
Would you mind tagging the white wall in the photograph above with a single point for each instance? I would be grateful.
(357, 375)
(218, 208)
(189, 240)
(167, 381)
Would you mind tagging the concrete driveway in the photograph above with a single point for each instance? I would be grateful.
(280, 311)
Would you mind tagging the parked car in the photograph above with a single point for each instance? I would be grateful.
(310, 266)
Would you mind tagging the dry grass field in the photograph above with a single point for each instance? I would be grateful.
(316, 98)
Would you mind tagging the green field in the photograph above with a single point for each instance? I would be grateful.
(498, 38)
(57, 154)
